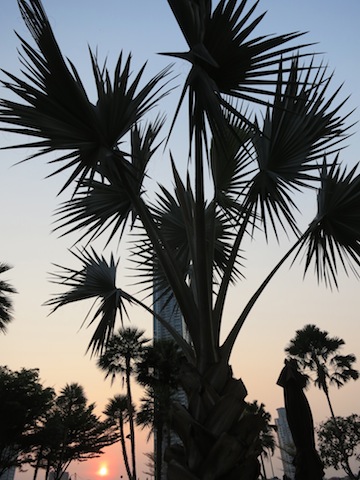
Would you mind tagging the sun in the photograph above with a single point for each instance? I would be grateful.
(103, 471)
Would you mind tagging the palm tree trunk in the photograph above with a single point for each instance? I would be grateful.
(37, 466)
(123, 448)
(326, 391)
(159, 449)
(263, 466)
(131, 418)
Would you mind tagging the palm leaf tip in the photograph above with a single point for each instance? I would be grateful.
(333, 238)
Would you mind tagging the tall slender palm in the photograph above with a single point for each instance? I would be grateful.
(5, 301)
(121, 352)
(266, 442)
(192, 237)
(117, 411)
(316, 352)
(158, 370)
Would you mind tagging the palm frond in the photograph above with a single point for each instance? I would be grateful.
(56, 108)
(225, 59)
(299, 127)
(175, 217)
(95, 280)
(100, 204)
(232, 160)
(333, 240)
(6, 305)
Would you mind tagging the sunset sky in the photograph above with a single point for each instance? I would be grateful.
(56, 344)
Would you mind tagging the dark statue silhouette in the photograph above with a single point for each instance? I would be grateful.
(307, 461)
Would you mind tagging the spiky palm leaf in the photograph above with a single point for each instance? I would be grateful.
(316, 352)
(225, 60)
(95, 280)
(56, 107)
(298, 127)
(343, 370)
(5, 301)
(174, 215)
(124, 346)
(99, 205)
(333, 236)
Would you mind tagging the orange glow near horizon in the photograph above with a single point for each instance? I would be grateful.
(103, 471)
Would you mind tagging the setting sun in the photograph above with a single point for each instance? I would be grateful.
(103, 471)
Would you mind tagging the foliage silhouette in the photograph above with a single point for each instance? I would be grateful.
(191, 238)
(316, 352)
(339, 443)
(23, 404)
(119, 357)
(6, 306)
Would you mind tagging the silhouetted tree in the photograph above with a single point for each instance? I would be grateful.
(316, 352)
(339, 443)
(5, 301)
(119, 357)
(72, 432)
(266, 444)
(23, 404)
(158, 369)
(243, 172)
(117, 412)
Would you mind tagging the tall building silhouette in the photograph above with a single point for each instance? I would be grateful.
(166, 306)
(8, 474)
(286, 443)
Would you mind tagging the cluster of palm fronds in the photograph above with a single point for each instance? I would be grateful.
(190, 243)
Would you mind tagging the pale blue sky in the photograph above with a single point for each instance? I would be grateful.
(27, 202)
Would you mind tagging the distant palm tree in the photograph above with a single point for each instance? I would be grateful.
(5, 301)
(122, 351)
(117, 411)
(317, 352)
(159, 371)
(266, 442)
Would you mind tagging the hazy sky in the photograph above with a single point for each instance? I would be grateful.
(56, 344)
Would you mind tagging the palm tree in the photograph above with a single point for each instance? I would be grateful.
(266, 444)
(5, 301)
(117, 411)
(158, 371)
(121, 352)
(191, 238)
(317, 352)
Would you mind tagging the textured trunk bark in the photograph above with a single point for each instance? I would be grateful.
(219, 441)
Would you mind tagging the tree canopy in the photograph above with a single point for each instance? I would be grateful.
(339, 444)
(24, 402)
(6, 305)
(71, 432)
(319, 354)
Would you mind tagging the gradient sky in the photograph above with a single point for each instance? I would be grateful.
(55, 344)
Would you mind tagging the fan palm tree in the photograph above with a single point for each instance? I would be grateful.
(191, 238)
(266, 444)
(158, 370)
(117, 412)
(5, 301)
(121, 352)
(316, 352)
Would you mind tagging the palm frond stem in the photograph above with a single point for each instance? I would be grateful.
(228, 344)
